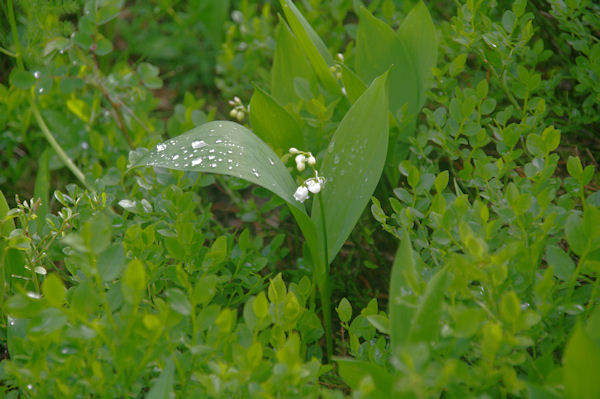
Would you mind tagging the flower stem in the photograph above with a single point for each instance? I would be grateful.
(36, 113)
(323, 281)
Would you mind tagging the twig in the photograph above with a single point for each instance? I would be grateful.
(115, 106)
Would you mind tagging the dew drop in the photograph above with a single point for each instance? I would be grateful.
(161, 147)
(271, 161)
(211, 157)
(41, 90)
(198, 144)
(175, 157)
(212, 150)
(197, 161)
(255, 172)
(213, 165)
(230, 160)
(36, 74)
(230, 167)
(218, 141)
(220, 125)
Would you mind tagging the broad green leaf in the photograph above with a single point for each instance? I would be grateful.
(46, 322)
(561, 261)
(22, 79)
(352, 165)
(178, 301)
(424, 326)
(260, 306)
(109, 10)
(54, 290)
(103, 46)
(581, 366)
(226, 148)
(344, 310)
(213, 15)
(381, 323)
(16, 333)
(289, 62)
(353, 371)
(574, 167)
(313, 46)
(111, 262)
(133, 283)
(97, 233)
(377, 48)
(273, 123)
(593, 325)
(418, 34)
(163, 385)
(352, 84)
(403, 276)
(79, 108)
(205, 289)
(575, 232)
(42, 189)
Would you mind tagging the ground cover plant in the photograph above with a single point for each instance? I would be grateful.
(300, 199)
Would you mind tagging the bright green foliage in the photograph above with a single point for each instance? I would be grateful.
(477, 275)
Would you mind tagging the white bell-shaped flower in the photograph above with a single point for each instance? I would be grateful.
(301, 194)
(313, 185)
(300, 162)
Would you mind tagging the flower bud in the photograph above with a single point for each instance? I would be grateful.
(311, 160)
(294, 150)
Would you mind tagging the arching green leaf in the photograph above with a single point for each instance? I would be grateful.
(289, 62)
(313, 46)
(417, 32)
(353, 164)
(226, 148)
(273, 123)
(377, 48)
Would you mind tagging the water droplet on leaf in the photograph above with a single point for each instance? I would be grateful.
(199, 144)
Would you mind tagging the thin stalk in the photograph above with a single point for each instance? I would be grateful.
(36, 113)
(56, 147)
(13, 28)
(323, 281)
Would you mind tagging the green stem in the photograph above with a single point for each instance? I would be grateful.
(323, 281)
(36, 113)
(15, 33)
(56, 147)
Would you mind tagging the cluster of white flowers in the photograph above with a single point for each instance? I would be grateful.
(238, 111)
(313, 184)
